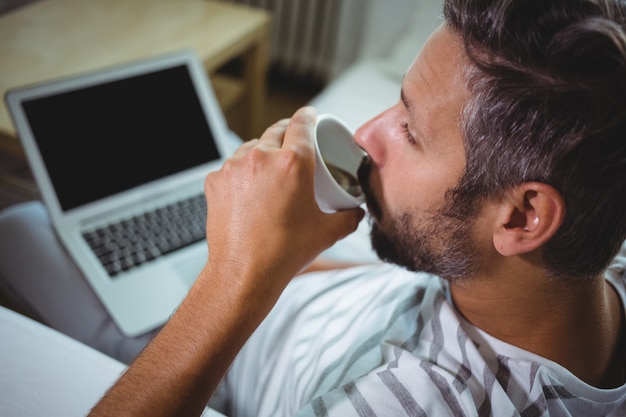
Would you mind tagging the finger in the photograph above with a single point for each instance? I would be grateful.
(273, 135)
(344, 222)
(245, 147)
(300, 130)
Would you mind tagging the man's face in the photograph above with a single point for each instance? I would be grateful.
(416, 155)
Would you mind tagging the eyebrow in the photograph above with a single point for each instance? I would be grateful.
(405, 100)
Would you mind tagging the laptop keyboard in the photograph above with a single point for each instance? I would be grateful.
(132, 242)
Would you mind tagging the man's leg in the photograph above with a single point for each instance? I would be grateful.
(39, 275)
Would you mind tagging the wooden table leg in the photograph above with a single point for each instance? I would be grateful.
(255, 78)
(11, 145)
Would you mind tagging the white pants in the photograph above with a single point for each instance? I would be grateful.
(37, 273)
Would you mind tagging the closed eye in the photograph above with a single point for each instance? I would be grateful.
(407, 133)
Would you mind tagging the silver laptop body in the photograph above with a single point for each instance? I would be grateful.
(113, 147)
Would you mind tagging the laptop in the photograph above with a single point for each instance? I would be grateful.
(120, 156)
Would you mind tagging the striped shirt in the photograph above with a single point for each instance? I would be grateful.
(382, 341)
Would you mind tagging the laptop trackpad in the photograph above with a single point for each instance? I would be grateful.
(190, 266)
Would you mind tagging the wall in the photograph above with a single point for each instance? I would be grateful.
(372, 29)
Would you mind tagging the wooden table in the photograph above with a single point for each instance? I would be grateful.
(56, 38)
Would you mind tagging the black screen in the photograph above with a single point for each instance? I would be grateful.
(104, 139)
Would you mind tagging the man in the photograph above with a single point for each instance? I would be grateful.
(501, 170)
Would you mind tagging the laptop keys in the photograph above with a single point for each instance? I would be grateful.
(143, 238)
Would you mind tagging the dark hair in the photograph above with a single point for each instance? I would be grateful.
(548, 103)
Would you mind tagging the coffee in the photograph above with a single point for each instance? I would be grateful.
(345, 180)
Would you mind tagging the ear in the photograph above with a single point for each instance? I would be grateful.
(529, 216)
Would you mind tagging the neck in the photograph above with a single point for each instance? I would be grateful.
(566, 322)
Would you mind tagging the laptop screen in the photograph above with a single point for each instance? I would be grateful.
(105, 139)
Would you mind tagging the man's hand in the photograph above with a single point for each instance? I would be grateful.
(263, 220)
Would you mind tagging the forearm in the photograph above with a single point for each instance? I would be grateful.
(178, 372)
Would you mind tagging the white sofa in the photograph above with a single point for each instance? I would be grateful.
(46, 373)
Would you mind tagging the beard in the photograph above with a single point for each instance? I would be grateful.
(439, 242)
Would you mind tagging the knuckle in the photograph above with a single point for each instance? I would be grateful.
(256, 156)
(292, 158)
(254, 162)
(209, 180)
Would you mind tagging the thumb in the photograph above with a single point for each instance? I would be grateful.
(343, 222)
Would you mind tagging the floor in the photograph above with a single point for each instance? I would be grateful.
(284, 96)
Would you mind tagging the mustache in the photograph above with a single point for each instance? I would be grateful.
(364, 175)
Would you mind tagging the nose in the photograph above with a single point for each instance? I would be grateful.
(371, 136)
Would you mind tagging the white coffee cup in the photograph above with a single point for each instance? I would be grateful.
(335, 148)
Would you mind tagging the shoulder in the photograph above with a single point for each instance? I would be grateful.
(384, 392)
(329, 329)
(409, 357)
(615, 273)
(415, 387)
